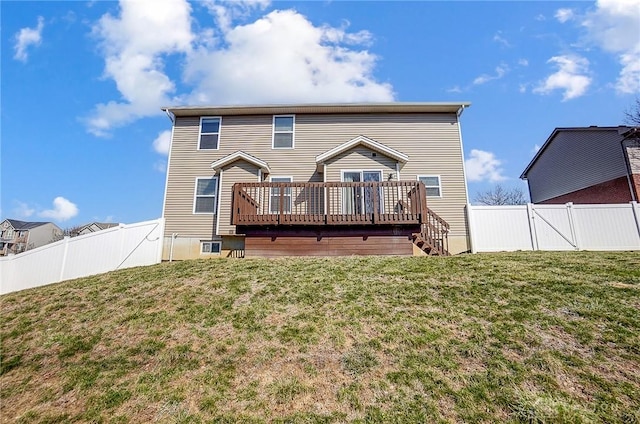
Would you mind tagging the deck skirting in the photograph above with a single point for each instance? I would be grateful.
(323, 241)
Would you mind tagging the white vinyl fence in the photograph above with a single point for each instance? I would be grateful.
(119, 247)
(554, 227)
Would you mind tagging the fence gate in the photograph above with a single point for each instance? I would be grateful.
(554, 227)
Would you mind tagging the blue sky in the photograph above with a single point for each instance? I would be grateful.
(83, 137)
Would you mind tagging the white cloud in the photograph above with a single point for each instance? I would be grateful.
(523, 62)
(564, 15)
(281, 57)
(454, 89)
(483, 166)
(501, 71)
(571, 77)
(22, 210)
(498, 38)
(160, 166)
(134, 45)
(63, 210)
(162, 142)
(536, 147)
(27, 37)
(613, 26)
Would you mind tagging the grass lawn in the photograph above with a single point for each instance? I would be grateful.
(516, 337)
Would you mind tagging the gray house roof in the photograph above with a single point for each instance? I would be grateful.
(99, 225)
(24, 225)
(622, 130)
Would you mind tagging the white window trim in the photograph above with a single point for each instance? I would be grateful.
(273, 133)
(271, 177)
(439, 184)
(195, 195)
(219, 118)
(212, 242)
(362, 171)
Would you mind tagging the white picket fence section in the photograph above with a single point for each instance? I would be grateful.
(119, 247)
(554, 227)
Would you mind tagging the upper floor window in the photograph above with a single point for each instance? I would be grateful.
(283, 131)
(209, 133)
(206, 195)
(433, 184)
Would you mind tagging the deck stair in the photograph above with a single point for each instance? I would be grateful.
(433, 237)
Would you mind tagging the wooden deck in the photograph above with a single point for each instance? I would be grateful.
(332, 203)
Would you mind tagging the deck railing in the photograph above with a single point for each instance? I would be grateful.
(332, 203)
(435, 234)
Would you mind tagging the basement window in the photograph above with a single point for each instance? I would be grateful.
(210, 247)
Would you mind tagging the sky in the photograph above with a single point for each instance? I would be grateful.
(82, 82)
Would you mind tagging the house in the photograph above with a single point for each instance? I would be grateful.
(18, 236)
(315, 179)
(92, 227)
(586, 165)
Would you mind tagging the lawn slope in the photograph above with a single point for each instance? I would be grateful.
(520, 337)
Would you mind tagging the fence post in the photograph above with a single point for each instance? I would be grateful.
(161, 242)
(122, 253)
(64, 257)
(572, 225)
(635, 207)
(471, 222)
(532, 227)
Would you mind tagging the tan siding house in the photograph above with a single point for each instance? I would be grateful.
(294, 155)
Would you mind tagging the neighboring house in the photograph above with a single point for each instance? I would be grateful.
(586, 165)
(323, 179)
(18, 236)
(91, 228)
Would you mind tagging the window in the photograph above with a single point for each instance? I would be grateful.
(209, 133)
(210, 247)
(361, 199)
(283, 128)
(206, 194)
(274, 196)
(432, 183)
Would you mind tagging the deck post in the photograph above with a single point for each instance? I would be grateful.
(280, 216)
(376, 203)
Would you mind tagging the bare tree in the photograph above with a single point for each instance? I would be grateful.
(499, 195)
(632, 115)
(73, 231)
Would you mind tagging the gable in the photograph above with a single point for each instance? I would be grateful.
(240, 155)
(360, 141)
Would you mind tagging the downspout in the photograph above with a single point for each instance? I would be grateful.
(166, 179)
(170, 115)
(464, 171)
(628, 165)
(464, 176)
